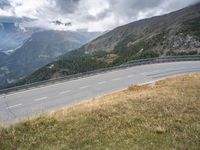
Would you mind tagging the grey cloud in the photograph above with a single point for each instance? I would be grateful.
(8, 19)
(138, 4)
(180, 4)
(59, 23)
(124, 11)
(12, 19)
(4, 4)
(117, 13)
(131, 9)
(66, 6)
(105, 13)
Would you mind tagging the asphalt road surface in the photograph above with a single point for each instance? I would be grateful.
(24, 104)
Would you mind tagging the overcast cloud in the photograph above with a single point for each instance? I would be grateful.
(93, 15)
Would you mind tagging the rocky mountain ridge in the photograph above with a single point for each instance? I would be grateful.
(169, 28)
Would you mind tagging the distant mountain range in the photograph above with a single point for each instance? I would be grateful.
(176, 33)
(12, 34)
(24, 50)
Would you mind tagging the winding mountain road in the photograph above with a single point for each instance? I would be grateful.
(24, 104)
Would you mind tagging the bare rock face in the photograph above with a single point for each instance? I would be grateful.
(181, 42)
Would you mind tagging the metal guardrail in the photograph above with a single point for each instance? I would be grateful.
(85, 74)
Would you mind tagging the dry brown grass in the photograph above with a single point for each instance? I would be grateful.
(164, 115)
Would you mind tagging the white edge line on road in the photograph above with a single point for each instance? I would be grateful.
(40, 99)
(116, 79)
(84, 87)
(149, 82)
(103, 82)
(14, 106)
(106, 93)
(162, 78)
(64, 92)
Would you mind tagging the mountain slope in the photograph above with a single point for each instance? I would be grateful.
(3, 70)
(12, 34)
(176, 33)
(3, 57)
(40, 49)
(167, 28)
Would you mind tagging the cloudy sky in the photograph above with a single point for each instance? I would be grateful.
(93, 15)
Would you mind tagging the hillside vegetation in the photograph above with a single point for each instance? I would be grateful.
(173, 34)
(40, 49)
(164, 115)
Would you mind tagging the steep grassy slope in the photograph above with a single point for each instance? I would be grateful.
(164, 115)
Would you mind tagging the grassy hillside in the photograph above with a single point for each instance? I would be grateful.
(164, 115)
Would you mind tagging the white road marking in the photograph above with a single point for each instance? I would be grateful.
(116, 79)
(149, 82)
(84, 87)
(103, 82)
(14, 106)
(64, 92)
(40, 99)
